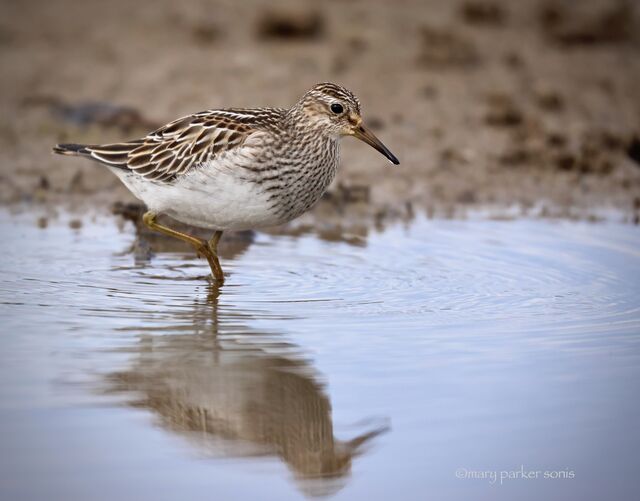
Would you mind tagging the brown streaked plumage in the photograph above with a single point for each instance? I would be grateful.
(237, 168)
(187, 142)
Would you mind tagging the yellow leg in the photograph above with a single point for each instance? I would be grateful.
(213, 242)
(201, 246)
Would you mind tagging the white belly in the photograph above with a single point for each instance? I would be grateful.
(205, 197)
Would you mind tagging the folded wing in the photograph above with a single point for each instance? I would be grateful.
(182, 144)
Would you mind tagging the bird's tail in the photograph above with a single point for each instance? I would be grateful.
(71, 149)
(112, 155)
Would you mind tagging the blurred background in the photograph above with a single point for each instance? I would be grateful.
(532, 104)
(464, 312)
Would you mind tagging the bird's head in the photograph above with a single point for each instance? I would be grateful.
(336, 110)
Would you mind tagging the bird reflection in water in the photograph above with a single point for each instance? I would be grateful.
(236, 392)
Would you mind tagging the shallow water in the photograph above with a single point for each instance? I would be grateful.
(433, 360)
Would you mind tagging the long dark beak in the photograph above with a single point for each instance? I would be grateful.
(364, 134)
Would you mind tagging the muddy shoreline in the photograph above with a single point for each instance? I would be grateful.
(530, 110)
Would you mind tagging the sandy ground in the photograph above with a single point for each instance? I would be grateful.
(527, 107)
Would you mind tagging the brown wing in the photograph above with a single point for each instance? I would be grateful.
(182, 144)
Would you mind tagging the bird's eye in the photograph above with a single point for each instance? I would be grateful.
(337, 108)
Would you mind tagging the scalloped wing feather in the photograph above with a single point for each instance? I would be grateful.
(185, 143)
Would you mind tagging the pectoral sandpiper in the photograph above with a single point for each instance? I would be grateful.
(235, 169)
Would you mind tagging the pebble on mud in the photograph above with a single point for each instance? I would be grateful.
(76, 184)
(483, 12)
(467, 197)
(503, 112)
(587, 23)
(586, 161)
(86, 113)
(633, 150)
(291, 24)
(375, 123)
(549, 100)
(519, 155)
(205, 33)
(556, 139)
(451, 154)
(513, 60)
(429, 91)
(348, 194)
(443, 48)
(594, 152)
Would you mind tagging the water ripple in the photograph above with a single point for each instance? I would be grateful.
(571, 276)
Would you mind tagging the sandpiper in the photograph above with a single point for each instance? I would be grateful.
(236, 168)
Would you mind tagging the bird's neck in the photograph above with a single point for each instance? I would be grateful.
(297, 120)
